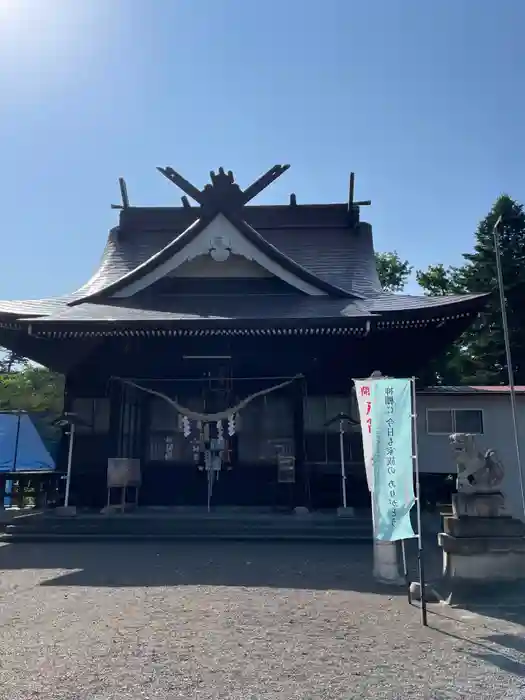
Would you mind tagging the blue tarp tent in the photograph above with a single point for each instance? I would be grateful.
(21, 447)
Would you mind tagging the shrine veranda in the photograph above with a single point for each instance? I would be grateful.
(252, 320)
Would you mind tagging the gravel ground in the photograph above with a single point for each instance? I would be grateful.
(237, 620)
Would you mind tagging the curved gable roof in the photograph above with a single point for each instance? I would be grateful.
(158, 258)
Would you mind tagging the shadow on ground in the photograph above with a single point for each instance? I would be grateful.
(490, 632)
(247, 564)
(498, 650)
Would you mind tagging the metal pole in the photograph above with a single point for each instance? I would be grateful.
(415, 457)
(17, 442)
(510, 369)
(20, 492)
(405, 571)
(69, 463)
(342, 451)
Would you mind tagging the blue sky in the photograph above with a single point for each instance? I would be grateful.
(422, 99)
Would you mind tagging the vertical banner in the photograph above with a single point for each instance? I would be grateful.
(385, 409)
(364, 392)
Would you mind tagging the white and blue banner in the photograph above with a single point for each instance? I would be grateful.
(385, 410)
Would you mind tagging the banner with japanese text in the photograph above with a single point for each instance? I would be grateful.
(385, 409)
(364, 393)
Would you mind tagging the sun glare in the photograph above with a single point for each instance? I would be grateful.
(46, 40)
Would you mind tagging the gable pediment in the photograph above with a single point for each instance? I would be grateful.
(219, 250)
(235, 267)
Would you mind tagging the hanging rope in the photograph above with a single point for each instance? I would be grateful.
(208, 417)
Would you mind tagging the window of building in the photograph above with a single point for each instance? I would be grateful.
(445, 421)
(94, 414)
(321, 440)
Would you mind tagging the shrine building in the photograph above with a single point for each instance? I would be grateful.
(220, 338)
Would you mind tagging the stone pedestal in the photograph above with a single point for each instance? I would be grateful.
(479, 505)
(480, 543)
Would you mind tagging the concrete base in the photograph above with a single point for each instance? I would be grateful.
(482, 528)
(301, 511)
(66, 511)
(472, 554)
(346, 512)
(490, 566)
(386, 564)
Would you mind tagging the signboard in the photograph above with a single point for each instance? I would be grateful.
(123, 472)
(285, 469)
(284, 452)
(385, 410)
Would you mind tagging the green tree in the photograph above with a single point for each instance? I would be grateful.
(478, 357)
(449, 367)
(393, 272)
(486, 347)
(11, 361)
(438, 280)
(32, 389)
(38, 391)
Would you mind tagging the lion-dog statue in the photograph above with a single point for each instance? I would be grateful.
(478, 472)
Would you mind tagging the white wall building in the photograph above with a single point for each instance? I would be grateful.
(484, 411)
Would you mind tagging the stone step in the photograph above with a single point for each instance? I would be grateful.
(205, 522)
(115, 526)
(334, 537)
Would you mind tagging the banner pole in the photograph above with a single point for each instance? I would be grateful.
(420, 558)
(342, 457)
(405, 571)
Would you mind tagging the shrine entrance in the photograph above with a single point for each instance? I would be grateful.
(212, 449)
(215, 443)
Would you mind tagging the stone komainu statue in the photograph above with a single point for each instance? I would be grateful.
(477, 472)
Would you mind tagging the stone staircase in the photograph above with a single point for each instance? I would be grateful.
(175, 525)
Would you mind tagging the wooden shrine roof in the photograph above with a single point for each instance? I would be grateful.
(326, 245)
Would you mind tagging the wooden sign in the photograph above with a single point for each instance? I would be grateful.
(123, 472)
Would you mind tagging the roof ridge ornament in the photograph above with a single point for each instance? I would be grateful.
(353, 206)
(123, 195)
(223, 193)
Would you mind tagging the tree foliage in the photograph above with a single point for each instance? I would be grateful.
(438, 280)
(478, 357)
(11, 361)
(32, 389)
(485, 340)
(38, 391)
(393, 272)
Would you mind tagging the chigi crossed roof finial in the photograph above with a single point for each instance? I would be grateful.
(223, 193)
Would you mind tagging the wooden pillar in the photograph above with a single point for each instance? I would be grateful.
(301, 491)
(144, 421)
(115, 416)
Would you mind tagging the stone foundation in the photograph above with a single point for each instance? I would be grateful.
(480, 542)
(483, 559)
